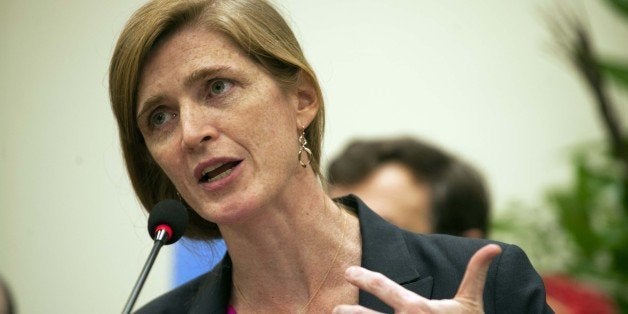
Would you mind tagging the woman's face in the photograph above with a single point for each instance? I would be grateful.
(220, 127)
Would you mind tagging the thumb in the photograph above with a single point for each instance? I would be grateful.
(472, 286)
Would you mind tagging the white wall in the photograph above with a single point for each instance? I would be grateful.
(474, 76)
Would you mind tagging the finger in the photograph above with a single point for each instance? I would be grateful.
(472, 286)
(383, 288)
(352, 309)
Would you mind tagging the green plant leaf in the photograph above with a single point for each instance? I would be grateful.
(617, 71)
(621, 6)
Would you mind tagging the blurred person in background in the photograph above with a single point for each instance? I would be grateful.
(422, 188)
(413, 184)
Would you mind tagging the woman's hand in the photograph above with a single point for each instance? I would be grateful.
(468, 299)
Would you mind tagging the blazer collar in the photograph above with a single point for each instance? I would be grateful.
(384, 250)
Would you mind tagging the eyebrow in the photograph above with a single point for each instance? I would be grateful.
(195, 76)
(148, 104)
(202, 73)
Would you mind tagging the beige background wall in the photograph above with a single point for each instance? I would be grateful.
(475, 76)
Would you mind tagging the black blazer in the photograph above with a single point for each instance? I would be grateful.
(429, 265)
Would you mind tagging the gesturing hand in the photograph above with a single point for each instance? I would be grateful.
(468, 299)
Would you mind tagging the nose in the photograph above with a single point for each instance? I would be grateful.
(196, 126)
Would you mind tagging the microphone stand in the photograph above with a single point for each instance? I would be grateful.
(160, 238)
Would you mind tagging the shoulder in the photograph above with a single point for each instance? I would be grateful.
(446, 256)
(178, 300)
(436, 264)
(437, 249)
(512, 284)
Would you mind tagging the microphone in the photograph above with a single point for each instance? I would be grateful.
(167, 221)
(166, 224)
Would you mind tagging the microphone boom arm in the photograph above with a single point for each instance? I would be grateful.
(160, 238)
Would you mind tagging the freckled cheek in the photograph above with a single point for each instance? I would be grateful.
(165, 159)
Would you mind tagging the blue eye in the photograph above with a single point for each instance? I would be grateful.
(219, 86)
(159, 118)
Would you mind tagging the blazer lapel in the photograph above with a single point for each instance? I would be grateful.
(384, 250)
(214, 294)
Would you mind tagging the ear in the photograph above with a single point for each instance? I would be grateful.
(473, 233)
(307, 100)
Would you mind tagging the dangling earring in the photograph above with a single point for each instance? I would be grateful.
(304, 148)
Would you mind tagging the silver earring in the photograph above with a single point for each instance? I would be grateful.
(304, 148)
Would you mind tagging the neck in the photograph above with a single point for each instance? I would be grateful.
(292, 254)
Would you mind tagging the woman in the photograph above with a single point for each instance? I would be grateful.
(217, 105)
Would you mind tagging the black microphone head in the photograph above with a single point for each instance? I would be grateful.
(171, 213)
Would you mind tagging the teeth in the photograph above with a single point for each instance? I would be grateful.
(210, 169)
(220, 176)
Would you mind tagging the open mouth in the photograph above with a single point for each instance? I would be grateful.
(217, 172)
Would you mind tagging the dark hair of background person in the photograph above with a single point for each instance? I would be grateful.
(460, 200)
(6, 300)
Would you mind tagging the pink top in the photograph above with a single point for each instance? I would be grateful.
(231, 310)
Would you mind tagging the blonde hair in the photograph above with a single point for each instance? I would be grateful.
(253, 25)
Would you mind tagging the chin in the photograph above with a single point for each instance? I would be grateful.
(229, 212)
